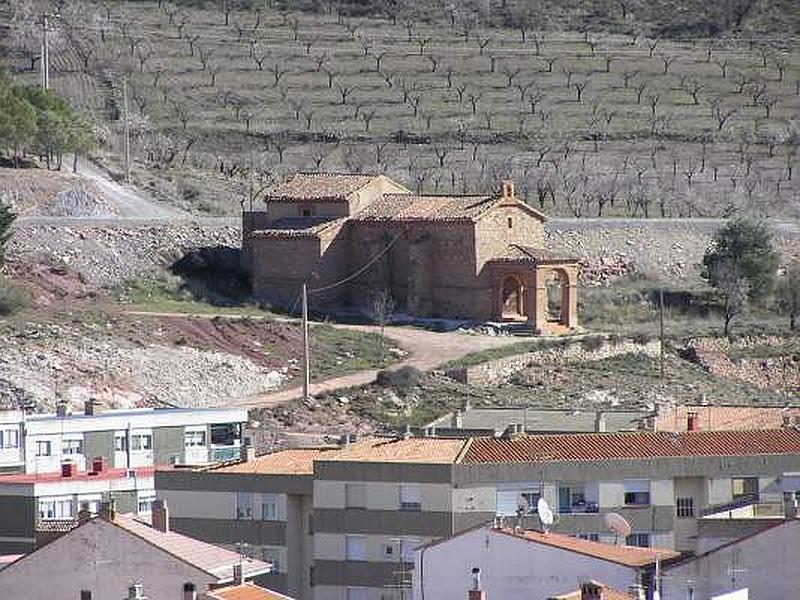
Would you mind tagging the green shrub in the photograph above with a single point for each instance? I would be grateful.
(642, 338)
(401, 380)
(12, 298)
(593, 343)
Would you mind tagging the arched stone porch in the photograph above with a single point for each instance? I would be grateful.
(542, 294)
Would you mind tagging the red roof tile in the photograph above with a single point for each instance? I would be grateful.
(293, 461)
(630, 556)
(31, 478)
(246, 591)
(720, 418)
(411, 207)
(627, 446)
(609, 593)
(320, 186)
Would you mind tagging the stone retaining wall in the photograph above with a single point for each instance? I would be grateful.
(500, 370)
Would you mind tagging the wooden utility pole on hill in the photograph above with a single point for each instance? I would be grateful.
(44, 63)
(127, 132)
(661, 328)
(306, 363)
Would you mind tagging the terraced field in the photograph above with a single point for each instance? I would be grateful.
(589, 124)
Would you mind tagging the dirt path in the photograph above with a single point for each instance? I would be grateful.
(426, 350)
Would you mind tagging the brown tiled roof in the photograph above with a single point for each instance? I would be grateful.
(517, 252)
(297, 226)
(630, 556)
(609, 593)
(631, 446)
(212, 559)
(399, 450)
(246, 591)
(294, 461)
(411, 207)
(320, 186)
(726, 417)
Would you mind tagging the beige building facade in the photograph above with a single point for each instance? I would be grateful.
(349, 237)
(368, 504)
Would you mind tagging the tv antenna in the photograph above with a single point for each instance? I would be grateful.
(619, 525)
(546, 516)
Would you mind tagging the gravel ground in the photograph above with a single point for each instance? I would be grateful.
(79, 361)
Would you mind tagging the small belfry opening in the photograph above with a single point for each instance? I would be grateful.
(512, 297)
(557, 286)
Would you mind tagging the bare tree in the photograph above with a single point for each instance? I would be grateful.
(382, 309)
(788, 293)
(181, 112)
(441, 153)
(345, 91)
(511, 74)
(666, 61)
(732, 286)
(482, 44)
(579, 89)
(721, 114)
(723, 66)
(278, 73)
(627, 76)
(205, 56)
(639, 91)
(422, 42)
(652, 45)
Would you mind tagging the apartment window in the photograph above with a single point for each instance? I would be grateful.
(141, 442)
(355, 495)
(86, 595)
(509, 502)
(354, 593)
(272, 556)
(356, 547)
(144, 503)
(642, 540)
(410, 497)
(408, 547)
(192, 439)
(225, 434)
(510, 223)
(120, 441)
(592, 537)
(269, 507)
(72, 447)
(244, 505)
(745, 488)
(389, 551)
(43, 448)
(55, 509)
(684, 507)
(310, 523)
(637, 492)
(9, 438)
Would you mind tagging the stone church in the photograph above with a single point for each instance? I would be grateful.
(350, 237)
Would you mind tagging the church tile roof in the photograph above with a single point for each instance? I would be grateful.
(517, 252)
(413, 207)
(320, 186)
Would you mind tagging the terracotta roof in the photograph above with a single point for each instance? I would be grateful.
(55, 476)
(294, 461)
(297, 226)
(399, 450)
(609, 593)
(726, 417)
(212, 559)
(411, 207)
(517, 252)
(630, 556)
(246, 591)
(631, 446)
(320, 186)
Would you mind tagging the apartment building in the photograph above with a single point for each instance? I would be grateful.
(38, 507)
(261, 507)
(375, 500)
(130, 438)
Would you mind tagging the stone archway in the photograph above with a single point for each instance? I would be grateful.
(511, 303)
(558, 296)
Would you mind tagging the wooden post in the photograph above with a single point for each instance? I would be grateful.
(306, 361)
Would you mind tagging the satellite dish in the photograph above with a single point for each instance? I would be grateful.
(546, 516)
(619, 525)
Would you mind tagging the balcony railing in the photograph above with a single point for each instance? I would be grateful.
(225, 453)
(741, 501)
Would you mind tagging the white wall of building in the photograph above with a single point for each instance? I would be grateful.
(511, 568)
(766, 564)
(104, 559)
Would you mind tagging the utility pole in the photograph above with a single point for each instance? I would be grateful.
(44, 63)
(127, 140)
(661, 328)
(306, 363)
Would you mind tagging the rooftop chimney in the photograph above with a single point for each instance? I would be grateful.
(136, 592)
(189, 591)
(160, 516)
(591, 591)
(407, 432)
(458, 420)
(61, 408)
(507, 189)
(248, 453)
(600, 424)
(108, 510)
(238, 574)
(691, 421)
(69, 468)
(476, 593)
(92, 407)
